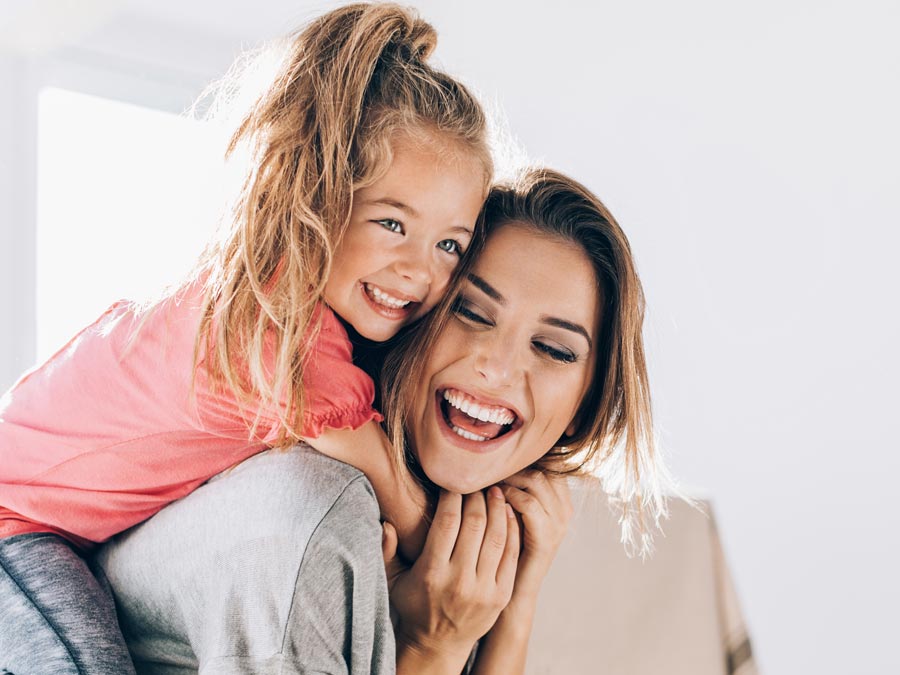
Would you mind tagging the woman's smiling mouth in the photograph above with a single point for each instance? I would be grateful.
(472, 419)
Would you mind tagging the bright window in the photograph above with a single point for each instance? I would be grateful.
(127, 198)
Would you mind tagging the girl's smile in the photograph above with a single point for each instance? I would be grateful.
(407, 233)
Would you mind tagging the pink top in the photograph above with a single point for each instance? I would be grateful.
(106, 432)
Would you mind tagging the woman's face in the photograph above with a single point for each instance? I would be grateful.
(505, 378)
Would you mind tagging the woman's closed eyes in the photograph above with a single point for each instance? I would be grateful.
(472, 315)
(470, 312)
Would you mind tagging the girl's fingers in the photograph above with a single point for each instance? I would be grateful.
(506, 570)
(561, 488)
(393, 566)
(494, 542)
(526, 504)
(388, 542)
(444, 528)
(536, 483)
(471, 531)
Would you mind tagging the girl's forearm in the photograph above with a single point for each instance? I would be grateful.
(400, 498)
(402, 506)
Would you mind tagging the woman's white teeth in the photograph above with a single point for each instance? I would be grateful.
(484, 413)
(467, 434)
(383, 298)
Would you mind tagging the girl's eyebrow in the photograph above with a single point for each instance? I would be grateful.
(387, 201)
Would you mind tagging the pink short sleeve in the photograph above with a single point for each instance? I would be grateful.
(339, 395)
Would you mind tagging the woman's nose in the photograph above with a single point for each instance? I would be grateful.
(496, 361)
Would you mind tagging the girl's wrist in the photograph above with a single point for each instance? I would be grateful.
(521, 609)
(528, 586)
(421, 655)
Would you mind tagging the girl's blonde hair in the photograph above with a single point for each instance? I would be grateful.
(353, 82)
(614, 432)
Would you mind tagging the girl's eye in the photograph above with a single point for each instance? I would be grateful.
(561, 355)
(391, 224)
(464, 309)
(450, 246)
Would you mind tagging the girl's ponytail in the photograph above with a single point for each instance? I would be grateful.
(351, 80)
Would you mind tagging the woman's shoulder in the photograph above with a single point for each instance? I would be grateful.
(325, 484)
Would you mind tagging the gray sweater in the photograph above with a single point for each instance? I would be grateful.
(271, 567)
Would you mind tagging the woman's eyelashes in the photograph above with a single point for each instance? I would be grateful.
(560, 354)
(469, 313)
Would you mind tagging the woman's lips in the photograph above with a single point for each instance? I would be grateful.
(468, 433)
(381, 302)
(465, 426)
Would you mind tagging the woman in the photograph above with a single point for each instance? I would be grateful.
(534, 361)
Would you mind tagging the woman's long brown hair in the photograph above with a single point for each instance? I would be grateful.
(614, 435)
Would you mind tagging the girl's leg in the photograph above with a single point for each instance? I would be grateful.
(54, 615)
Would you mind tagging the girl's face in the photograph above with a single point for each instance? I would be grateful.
(505, 378)
(406, 234)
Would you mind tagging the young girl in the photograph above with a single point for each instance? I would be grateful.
(369, 171)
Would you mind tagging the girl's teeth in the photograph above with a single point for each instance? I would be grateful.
(496, 415)
(383, 298)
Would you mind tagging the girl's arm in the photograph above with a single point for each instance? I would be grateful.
(454, 592)
(545, 507)
(400, 497)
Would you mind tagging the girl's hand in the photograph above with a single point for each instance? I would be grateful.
(457, 588)
(544, 504)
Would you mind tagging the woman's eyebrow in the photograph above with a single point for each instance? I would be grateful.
(486, 288)
(568, 325)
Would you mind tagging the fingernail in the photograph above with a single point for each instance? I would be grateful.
(495, 492)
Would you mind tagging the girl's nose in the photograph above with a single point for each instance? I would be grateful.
(415, 266)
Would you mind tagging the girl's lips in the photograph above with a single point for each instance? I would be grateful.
(393, 313)
(478, 447)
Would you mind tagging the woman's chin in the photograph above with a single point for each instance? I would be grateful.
(449, 479)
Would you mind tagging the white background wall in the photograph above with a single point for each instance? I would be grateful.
(751, 152)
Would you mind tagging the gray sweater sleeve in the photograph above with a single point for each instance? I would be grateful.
(272, 567)
(339, 616)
